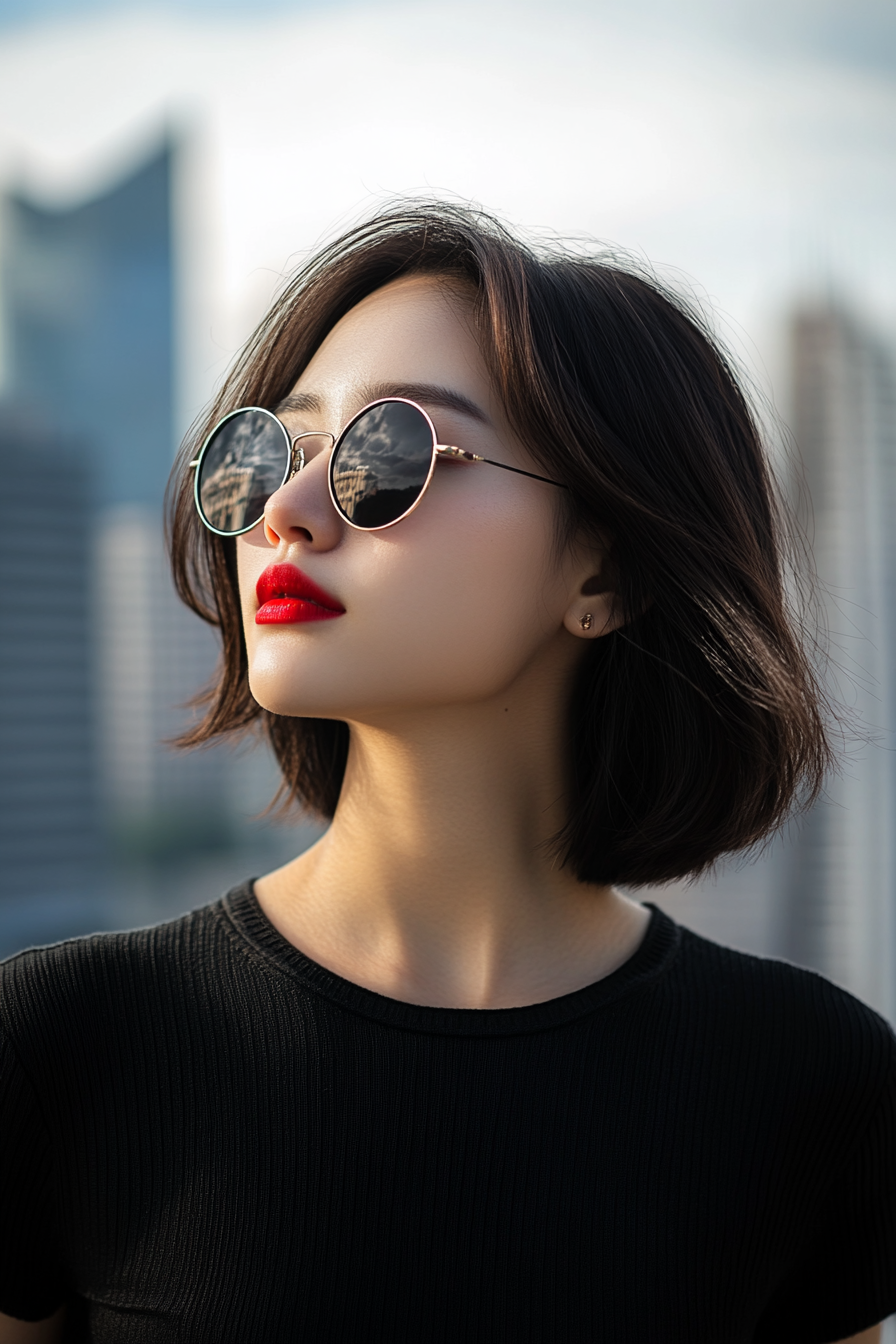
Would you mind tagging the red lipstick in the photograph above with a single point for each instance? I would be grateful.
(287, 596)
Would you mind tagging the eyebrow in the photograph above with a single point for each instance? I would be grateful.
(299, 401)
(431, 394)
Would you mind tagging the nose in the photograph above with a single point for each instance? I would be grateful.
(301, 510)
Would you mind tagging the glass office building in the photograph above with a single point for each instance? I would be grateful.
(840, 882)
(99, 654)
(49, 832)
(88, 316)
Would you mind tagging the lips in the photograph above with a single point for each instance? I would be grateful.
(287, 597)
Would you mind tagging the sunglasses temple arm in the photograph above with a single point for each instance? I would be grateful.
(459, 455)
(519, 471)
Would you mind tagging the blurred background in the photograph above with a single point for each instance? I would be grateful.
(163, 168)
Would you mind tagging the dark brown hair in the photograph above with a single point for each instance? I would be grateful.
(695, 728)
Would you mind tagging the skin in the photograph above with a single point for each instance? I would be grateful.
(452, 666)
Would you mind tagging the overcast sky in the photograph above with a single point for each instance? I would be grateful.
(749, 149)
(861, 31)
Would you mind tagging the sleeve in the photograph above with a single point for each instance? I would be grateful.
(31, 1282)
(846, 1282)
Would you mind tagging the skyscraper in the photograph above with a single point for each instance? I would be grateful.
(88, 314)
(88, 303)
(153, 655)
(49, 834)
(841, 878)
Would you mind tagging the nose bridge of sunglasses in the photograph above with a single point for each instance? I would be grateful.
(298, 451)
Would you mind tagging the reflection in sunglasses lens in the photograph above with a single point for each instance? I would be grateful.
(382, 464)
(244, 462)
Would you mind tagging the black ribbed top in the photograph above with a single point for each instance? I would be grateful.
(205, 1136)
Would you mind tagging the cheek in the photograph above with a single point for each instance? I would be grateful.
(471, 615)
(456, 607)
(251, 560)
(450, 605)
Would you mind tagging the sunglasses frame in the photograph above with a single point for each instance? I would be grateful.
(296, 461)
(437, 448)
(291, 468)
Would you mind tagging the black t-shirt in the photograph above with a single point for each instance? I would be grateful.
(207, 1137)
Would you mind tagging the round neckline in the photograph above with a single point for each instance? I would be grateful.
(650, 960)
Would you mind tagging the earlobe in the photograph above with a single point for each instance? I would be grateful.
(595, 608)
(589, 619)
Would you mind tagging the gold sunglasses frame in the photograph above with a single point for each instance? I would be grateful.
(296, 462)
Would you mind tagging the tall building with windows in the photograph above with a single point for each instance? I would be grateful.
(88, 317)
(153, 656)
(49, 822)
(840, 882)
(824, 894)
(88, 309)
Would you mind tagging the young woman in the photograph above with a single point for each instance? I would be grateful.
(492, 545)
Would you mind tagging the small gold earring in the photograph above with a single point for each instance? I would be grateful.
(587, 621)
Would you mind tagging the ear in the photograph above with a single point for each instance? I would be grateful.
(595, 608)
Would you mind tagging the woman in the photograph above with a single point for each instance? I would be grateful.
(491, 542)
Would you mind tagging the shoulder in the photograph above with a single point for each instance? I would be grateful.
(781, 1022)
(794, 997)
(103, 981)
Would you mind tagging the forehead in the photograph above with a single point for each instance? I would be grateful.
(418, 329)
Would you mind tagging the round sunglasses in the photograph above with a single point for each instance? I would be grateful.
(379, 468)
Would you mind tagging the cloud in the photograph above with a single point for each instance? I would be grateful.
(743, 168)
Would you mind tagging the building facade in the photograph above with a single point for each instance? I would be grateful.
(88, 317)
(88, 302)
(153, 656)
(839, 874)
(49, 803)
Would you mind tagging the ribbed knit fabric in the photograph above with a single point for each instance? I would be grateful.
(207, 1137)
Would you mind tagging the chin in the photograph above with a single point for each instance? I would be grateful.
(380, 677)
(283, 700)
(301, 698)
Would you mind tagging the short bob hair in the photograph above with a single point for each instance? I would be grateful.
(695, 728)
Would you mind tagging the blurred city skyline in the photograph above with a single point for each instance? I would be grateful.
(748, 156)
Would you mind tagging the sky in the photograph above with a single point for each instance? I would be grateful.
(746, 151)
(861, 31)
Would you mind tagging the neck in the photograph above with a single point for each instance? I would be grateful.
(437, 881)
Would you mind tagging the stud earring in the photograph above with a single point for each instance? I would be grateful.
(587, 621)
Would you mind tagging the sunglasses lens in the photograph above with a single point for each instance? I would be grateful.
(244, 462)
(381, 464)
